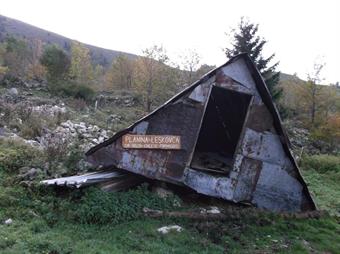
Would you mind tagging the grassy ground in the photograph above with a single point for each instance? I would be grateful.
(44, 222)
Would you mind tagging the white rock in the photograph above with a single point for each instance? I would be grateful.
(13, 91)
(19, 120)
(166, 229)
(8, 221)
(162, 192)
(59, 129)
(34, 143)
(65, 124)
(95, 128)
(214, 210)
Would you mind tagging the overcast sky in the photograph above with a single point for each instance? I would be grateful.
(297, 31)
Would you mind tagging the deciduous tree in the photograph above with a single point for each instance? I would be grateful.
(190, 61)
(152, 80)
(81, 69)
(16, 57)
(121, 73)
(35, 69)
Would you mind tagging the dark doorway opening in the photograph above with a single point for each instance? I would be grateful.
(220, 131)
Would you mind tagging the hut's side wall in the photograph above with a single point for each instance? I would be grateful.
(181, 117)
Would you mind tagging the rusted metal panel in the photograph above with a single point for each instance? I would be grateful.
(247, 179)
(276, 190)
(260, 119)
(264, 146)
(144, 162)
(222, 80)
(166, 142)
(158, 164)
(141, 128)
(239, 72)
(200, 93)
(212, 185)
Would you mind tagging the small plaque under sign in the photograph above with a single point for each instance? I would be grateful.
(167, 142)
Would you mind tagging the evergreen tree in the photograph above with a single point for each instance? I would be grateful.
(245, 39)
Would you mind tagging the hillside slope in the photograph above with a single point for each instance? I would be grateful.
(11, 27)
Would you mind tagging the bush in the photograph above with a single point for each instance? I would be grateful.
(14, 155)
(321, 163)
(73, 157)
(31, 128)
(74, 90)
(98, 207)
(329, 132)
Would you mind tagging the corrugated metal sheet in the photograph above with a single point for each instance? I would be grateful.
(86, 179)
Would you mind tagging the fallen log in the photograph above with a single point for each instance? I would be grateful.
(195, 215)
(206, 215)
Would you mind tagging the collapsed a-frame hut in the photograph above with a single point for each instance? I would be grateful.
(222, 137)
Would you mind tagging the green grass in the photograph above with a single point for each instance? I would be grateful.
(141, 236)
(48, 222)
(322, 174)
(325, 189)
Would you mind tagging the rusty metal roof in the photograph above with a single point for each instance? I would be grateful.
(147, 164)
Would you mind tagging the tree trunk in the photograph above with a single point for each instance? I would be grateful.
(148, 96)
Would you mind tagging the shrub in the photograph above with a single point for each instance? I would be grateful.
(75, 90)
(31, 128)
(329, 132)
(14, 155)
(56, 149)
(56, 62)
(322, 163)
(73, 157)
(98, 207)
(77, 104)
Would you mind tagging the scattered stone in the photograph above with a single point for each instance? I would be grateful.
(86, 134)
(23, 170)
(123, 100)
(30, 174)
(214, 210)
(33, 143)
(166, 229)
(13, 91)
(8, 221)
(162, 192)
(49, 110)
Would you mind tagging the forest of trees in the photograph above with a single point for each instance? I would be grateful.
(152, 74)
(155, 78)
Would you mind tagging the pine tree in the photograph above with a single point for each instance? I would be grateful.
(245, 39)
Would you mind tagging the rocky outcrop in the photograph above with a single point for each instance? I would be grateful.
(86, 135)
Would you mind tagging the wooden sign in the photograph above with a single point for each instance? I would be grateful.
(167, 142)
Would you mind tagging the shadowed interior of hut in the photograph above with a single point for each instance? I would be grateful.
(220, 131)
